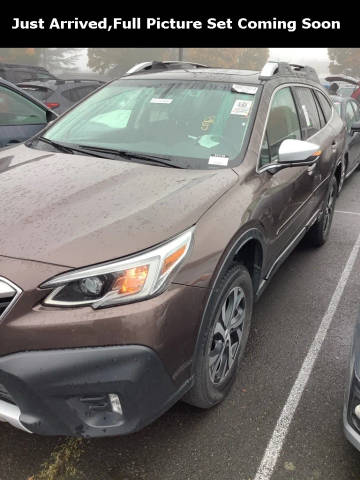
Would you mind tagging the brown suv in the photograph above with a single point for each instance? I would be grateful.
(137, 231)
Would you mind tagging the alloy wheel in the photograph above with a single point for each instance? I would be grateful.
(227, 335)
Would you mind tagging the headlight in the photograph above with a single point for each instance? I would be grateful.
(120, 281)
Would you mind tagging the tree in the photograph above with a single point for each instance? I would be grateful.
(344, 60)
(28, 56)
(58, 59)
(240, 58)
(103, 60)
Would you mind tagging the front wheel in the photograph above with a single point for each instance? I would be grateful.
(319, 232)
(224, 339)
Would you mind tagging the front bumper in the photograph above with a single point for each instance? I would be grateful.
(350, 433)
(66, 392)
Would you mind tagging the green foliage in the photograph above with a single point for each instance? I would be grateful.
(56, 59)
(242, 58)
(345, 60)
(102, 60)
(63, 462)
(27, 56)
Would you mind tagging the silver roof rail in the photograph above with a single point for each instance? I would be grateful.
(283, 68)
(166, 65)
(269, 69)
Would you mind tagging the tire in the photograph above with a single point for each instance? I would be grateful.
(216, 365)
(319, 232)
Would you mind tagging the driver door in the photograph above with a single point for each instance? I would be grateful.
(289, 190)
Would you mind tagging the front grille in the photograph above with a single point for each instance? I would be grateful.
(9, 293)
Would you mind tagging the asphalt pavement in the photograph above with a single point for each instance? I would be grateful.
(231, 441)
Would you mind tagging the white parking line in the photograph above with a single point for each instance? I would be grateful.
(349, 213)
(276, 442)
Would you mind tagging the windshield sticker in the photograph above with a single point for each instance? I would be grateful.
(241, 107)
(306, 114)
(218, 160)
(208, 141)
(205, 124)
(161, 100)
(244, 89)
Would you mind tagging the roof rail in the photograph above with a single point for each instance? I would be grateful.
(283, 68)
(167, 65)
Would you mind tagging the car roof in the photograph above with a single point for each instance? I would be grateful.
(209, 74)
(57, 84)
(23, 66)
(204, 74)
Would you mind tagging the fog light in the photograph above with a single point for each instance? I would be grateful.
(116, 405)
(357, 411)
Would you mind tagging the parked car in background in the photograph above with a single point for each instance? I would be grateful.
(140, 228)
(21, 116)
(349, 111)
(16, 73)
(351, 416)
(60, 95)
(348, 86)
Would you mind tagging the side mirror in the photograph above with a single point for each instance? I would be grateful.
(355, 127)
(293, 153)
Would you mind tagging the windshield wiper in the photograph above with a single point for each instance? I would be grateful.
(154, 159)
(65, 148)
(56, 145)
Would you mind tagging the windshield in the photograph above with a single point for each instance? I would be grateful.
(195, 124)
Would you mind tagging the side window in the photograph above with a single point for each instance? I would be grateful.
(18, 110)
(283, 123)
(349, 116)
(309, 117)
(326, 107)
(319, 109)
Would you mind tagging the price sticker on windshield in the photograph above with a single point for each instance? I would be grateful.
(221, 160)
(241, 107)
(161, 100)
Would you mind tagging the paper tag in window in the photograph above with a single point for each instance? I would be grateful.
(241, 107)
(208, 141)
(306, 115)
(221, 160)
(244, 89)
(161, 100)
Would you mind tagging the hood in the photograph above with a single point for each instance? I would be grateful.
(76, 210)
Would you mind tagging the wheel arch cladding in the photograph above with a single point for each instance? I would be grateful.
(251, 256)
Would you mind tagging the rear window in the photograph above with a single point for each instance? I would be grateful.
(41, 93)
(77, 93)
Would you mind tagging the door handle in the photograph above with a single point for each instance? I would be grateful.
(334, 147)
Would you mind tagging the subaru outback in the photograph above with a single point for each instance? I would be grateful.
(137, 231)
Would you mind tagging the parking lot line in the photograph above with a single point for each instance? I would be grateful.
(349, 213)
(276, 442)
